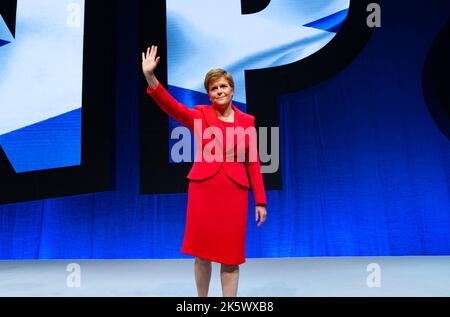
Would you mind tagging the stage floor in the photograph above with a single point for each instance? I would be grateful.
(341, 276)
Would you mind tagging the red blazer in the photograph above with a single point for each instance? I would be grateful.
(236, 170)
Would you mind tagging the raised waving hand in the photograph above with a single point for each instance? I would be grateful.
(149, 62)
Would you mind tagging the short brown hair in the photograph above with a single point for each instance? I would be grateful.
(216, 74)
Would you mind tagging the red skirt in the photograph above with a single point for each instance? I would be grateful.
(216, 220)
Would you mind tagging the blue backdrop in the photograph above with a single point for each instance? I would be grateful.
(366, 171)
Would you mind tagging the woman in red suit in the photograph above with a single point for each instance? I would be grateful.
(216, 219)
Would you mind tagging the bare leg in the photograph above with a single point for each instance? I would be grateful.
(202, 276)
(229, 275)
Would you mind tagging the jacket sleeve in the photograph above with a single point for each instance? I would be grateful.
(172, 107)
(254, 172)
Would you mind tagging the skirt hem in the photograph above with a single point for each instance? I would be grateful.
(208, 258)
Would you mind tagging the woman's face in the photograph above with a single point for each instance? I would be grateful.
(220, 93)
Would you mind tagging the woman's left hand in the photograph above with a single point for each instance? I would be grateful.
(261, 214)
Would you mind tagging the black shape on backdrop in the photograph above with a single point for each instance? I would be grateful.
(253, 6)
(96, 172)
(436, 80)
(8, 10)
(160, 176)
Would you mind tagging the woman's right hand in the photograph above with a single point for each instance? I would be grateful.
(150, 61)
